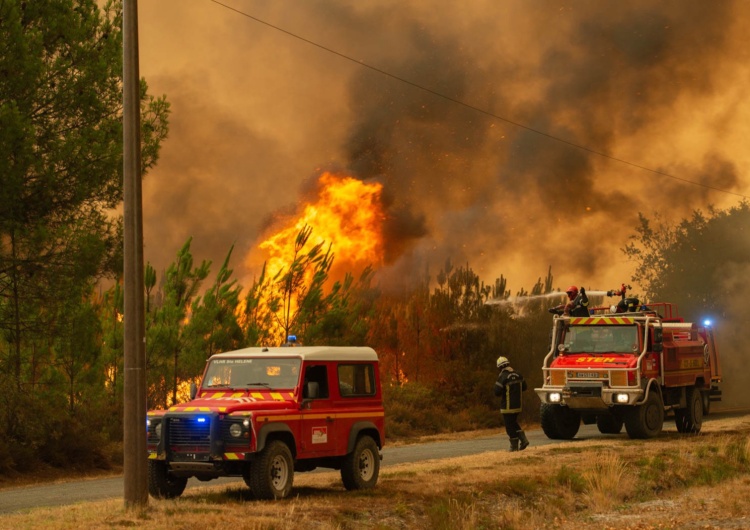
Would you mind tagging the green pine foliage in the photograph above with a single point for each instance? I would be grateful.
(60, 178)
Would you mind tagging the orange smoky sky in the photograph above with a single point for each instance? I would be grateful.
(258, 116)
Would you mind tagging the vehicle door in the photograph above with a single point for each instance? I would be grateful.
(318, 418)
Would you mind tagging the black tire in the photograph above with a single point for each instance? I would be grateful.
(706, 403)
(646, 420)
(558, 422)
(161, 483)
(609, 424)
(690, 419)
(271, 474)
(361, 467)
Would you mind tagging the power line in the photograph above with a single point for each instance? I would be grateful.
(477, 109)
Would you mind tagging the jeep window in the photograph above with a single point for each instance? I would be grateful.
(356, 380)
(252, 373)
(319, 376)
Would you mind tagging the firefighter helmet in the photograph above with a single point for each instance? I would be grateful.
(572, 291)
(502, 362)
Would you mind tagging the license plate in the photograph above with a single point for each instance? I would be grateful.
(587, 375)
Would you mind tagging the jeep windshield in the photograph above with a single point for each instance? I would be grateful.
(259, 373)
(600, 339)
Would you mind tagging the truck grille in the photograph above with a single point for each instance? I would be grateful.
(193, 433)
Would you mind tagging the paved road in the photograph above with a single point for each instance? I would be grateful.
(14, 500)
(24, 498)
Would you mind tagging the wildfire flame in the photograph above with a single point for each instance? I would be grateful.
(348, 214)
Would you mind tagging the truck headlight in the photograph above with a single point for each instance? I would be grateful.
(235, 430)
(554, 397)
(621, 398)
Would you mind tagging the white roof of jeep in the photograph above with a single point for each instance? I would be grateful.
(311, 353)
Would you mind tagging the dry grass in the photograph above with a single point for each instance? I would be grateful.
(664, 483)
(609, 481)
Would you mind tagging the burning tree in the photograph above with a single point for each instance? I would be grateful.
(299, 290)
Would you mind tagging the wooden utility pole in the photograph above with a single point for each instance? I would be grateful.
(134, 413)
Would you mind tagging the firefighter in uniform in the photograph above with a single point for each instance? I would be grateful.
(576, 306)
(509, 386)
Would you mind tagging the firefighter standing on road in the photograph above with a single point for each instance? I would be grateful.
(576, 306)
(509, 386)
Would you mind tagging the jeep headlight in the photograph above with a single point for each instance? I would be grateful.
(554, 397)
(154, 426)
(235, 430)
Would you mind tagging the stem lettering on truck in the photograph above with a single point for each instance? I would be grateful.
(264, 413)
(629, 368)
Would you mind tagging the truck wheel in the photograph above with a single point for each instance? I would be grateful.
(690, 419)
(558, 422)
(271, 474)
(609, 424)
(361, 467)
(161, 483)
(646, 420)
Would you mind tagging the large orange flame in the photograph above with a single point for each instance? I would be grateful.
(348, 214)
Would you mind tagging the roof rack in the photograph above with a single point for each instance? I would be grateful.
(667, 311)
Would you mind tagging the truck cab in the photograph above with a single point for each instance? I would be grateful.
(264, 413)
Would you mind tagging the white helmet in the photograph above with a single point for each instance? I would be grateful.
(502, 362)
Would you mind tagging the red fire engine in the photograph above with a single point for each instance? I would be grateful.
(630, 367)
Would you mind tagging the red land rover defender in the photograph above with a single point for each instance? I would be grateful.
(264, 413)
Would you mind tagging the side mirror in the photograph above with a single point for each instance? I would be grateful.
(193, 391)
(658, 347)
(309, 392)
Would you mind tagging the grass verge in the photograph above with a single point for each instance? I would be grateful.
(652, 483)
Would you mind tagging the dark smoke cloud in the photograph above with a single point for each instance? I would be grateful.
(257, 115)
(731, 333)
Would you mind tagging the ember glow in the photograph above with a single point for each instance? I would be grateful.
(347, 213)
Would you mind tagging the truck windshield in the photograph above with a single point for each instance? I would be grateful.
(601, 339)
(265, 373)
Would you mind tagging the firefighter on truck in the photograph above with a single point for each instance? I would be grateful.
(628, 365)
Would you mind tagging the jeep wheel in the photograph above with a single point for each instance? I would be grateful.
(646, 420)
(361, 467)
(161, 483)
(690, 419)
(272, 473)
(558, 422)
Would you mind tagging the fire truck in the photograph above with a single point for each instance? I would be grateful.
(264, 413)
(628, 365)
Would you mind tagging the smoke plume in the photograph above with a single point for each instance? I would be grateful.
(258, 114)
